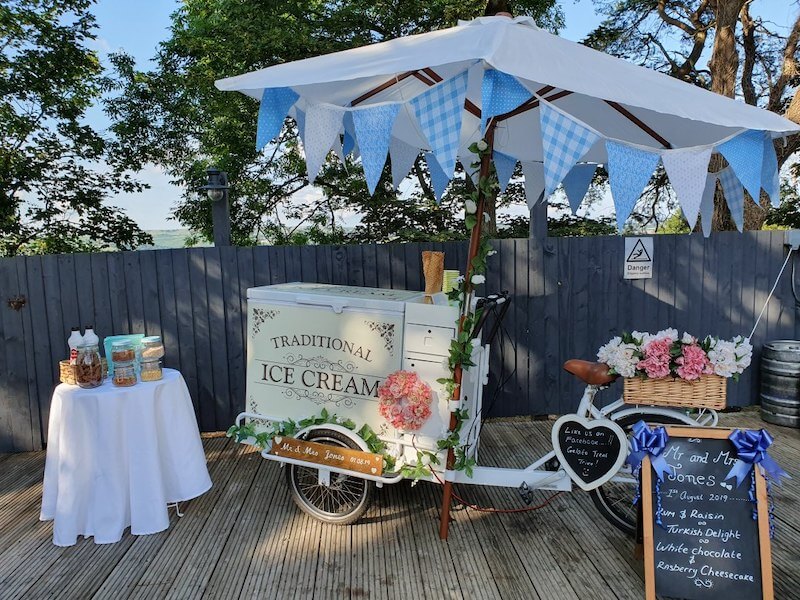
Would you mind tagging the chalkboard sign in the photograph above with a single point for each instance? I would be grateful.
(590, 451)
(708, 544)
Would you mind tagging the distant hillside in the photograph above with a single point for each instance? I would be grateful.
(168, 238)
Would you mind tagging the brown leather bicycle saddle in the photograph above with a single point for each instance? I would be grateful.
(592, 373)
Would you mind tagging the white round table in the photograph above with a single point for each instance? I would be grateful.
(116, 456)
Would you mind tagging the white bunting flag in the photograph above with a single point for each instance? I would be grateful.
(403, 156)
(687, 170)
(707, 204)
(322, 125)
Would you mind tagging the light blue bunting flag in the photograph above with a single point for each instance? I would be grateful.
(439, 112)
(439, 179)
(770, 178)
(349, 138)
(707, 204)
(745, 153)
(500, 93)
(504, 165)
(687, 169)
(577, 182)
(534, 182)
(322, 125)
(629, 170)
(275, 103)
(374, 131)
(300, 119)
(403, 156)
(564, 142)
(734, 195)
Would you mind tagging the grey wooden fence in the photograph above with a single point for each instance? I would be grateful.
(568, 299)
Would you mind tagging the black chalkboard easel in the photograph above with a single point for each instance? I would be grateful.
(708, 546)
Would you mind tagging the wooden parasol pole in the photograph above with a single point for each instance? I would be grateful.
(474, 245)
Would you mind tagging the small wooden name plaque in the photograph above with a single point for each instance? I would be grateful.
(327, 455)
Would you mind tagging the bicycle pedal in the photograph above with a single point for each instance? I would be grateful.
(525, 493)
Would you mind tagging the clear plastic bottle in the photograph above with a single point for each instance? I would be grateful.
(90, 337)
(75, 339)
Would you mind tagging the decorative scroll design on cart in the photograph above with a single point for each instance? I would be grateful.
(320, 362)
(320, 398)
(315, 395)
(261, 316)
(254, 408)
(386, 331)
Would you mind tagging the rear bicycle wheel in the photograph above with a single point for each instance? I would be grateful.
(614, 499)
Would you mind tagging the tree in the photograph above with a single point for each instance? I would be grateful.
(700, 41)
(55, 171)
(174, 117)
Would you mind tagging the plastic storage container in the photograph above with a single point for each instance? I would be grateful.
(88, 366)
(150, 370)
(152, 348)
(124, 374)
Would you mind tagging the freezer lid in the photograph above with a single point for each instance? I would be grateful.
(335, 296)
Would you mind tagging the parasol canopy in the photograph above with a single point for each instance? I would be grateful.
(560, 108)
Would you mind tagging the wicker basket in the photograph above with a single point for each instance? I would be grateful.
(707, 392)
(67, 371)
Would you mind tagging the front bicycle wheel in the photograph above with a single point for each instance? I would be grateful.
(614, 499)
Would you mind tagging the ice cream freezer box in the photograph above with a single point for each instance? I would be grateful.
(312, 346)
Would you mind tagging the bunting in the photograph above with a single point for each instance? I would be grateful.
(504, 165)
(322, 125)
(629, 170)
(770, 177)
(564, 142)
(402, 156)
(707, 204)
(439, 112)
(734, 195)
(275, 104)
(500, 93)
(373, 127)
(534, 182)
(745, 154)
(687, 170)
(439, 179)
(349, 137)
(300, 119)
(577, 182)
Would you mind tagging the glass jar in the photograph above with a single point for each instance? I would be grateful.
(124, 374)
(122, 352)
(88, 366)
(152, 348)
(150, 370)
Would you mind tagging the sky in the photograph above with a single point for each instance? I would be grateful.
(137, 27)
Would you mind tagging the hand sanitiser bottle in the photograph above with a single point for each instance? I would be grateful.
(75, 339)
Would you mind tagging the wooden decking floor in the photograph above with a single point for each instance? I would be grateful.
(245, 538)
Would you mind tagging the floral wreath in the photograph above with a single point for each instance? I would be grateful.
(405, 400)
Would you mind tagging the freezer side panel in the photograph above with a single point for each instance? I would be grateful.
(302, 359)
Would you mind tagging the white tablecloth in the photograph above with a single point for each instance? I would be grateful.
(116, 456)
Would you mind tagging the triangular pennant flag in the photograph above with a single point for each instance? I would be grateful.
(687, 170)
(403, 156)
(275, 103)
(629, 170)
(770, 177)
(349, 143)
(338, 149)
(707, 204)
(504, 165)
(322, 125)
(745, 154)
(534, 182)
(500, 93)
(373, 132)
(439, 113)
(577, 182)
(300, 119)
(439, 179)
(564, 142)
(734, 195)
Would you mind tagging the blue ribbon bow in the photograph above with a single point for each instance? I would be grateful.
(651, 442)
(751, 448)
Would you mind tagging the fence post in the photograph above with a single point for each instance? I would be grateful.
(538, 223)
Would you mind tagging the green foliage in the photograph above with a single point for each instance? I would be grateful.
(787, 215)
(174, 117)
(55, 171)
(675, 223)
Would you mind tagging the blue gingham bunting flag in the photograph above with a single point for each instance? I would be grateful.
(534, 182)
(687, 170)
(322, 125)
(402, 156)
(734, 195)
(439, 112)
(373, 132)
(707, 204)
(500, 93)
(439, 179)
(275, 103)
(564, 142)
(629, 170)
(745, 154)
(770, 178)
(504, 165)
(577, 182)
(349, 138)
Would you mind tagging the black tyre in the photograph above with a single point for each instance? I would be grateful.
(614, 499)
(342, 502)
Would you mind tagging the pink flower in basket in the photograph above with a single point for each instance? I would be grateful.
(693, 363)
(404, 400)
(656, 358)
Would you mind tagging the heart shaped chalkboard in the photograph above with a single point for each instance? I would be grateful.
(590, 451)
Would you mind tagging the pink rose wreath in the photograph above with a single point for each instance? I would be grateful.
(405, 400)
